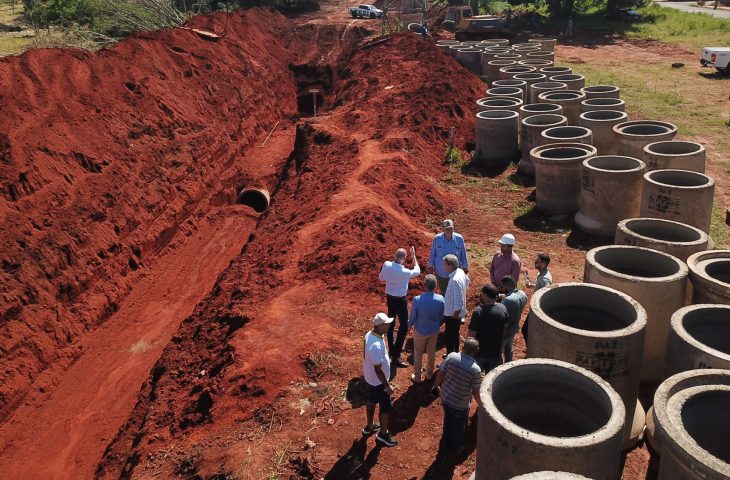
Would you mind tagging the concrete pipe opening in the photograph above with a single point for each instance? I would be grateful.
(709, 271)
(706, 418)
(509, 56)
(675, 154)
(545, 120)
(550, 71)
(679, 195)
(538, 64)
(509, 83)
(699, 338)
(564, 153)
(637, 262)
(653, 229)
(560, 96)
(679, 178)
(538, 88)
(530, 77)
(615, 163)
(256, 198)
(517, 69)
(505, 92)
(567, 133)
(496, 133)
(645, 130)
(601, 91)
(575, 82)
(603, 115)
(603, 104)
(507, 103)
(546, 108)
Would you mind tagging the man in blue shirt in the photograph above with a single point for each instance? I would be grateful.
(444, 243)
(427, 313)
(515, 301)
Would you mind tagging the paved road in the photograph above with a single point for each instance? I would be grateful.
(693, 8)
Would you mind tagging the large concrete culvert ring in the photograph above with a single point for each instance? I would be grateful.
(692, 420)
(710, 275)
(699, 338)
(257, 198)
(633, 135)
(676, 155)
(591, 104)
(656, 280)
(597, 328)
(679, 195)
(675, 238)
(542, 414)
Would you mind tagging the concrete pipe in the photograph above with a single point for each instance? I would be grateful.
(566, 134)
(487, 70)
(515, 57)
(597, 328)
(601, 123)
(506, 73)
(487, 103)
(611, 191)
(656, 280)
(491, 73)
(257, 198)
(531, 109)
(591, 104)
(632, 136)
(471, 43)
(445, 45)
(529, 78)
(455, 48)
(677, 239)
(538, 64)
(530, 135)
(546, 44)
(496, 138)
(699, 338)
(538, 88)
(710, 275)
(676, 155)
(553, 70)
(500, 92)
(470, 58)
(558, 173)
(550, 476)
(540, 56)
(568, 99)
(692, 420)
(678, 195)
(601, 91)
(521, 84)
(542, 414)
(573, 81)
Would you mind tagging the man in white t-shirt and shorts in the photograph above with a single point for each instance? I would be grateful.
(376, 370)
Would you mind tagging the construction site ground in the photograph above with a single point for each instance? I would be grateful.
(153, 328)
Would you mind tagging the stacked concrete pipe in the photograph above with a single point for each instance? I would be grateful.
(678, 195)
(496, 138)
(487, 70)
(531, 128)
(444, 45)
(529, 78)
(566, 134)
(573, 81)
(699, 338)
(601, 91)
(656, 280)
(710, 275)
(676, 155)
(568, 99)
(515, 57)
(692, 424)
(556, 70)
(632, 136)
(491, 72)
(470, 58)
(675, 238)
(550, 476)
(491, 103)
(601, 123)
(591, 104)
(558, 173)
(507, 73)
(538, 64)
(454, 49)
(597, 328)
(540, 414)
(538, 88)
(521, 84)
(501, 92)
(540, 56)
(530, 109)
(610, 192)
(547, 44)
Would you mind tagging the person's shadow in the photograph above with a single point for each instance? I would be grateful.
(354, 464)
(406, 407)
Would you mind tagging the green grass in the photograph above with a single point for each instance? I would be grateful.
(13, 45)
(719, 231)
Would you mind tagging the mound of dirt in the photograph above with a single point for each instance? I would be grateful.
(105, 156)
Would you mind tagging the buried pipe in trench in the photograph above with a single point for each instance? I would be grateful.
(256, 198)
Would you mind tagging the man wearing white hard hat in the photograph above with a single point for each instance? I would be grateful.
(505, 262)
(376, 370)
(445, 243)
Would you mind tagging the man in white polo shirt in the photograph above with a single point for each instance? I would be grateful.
(376, 370)
(396, 277)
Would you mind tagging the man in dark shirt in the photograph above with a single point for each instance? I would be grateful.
(488, 324)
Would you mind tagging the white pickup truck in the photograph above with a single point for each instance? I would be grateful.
(718, 57)
(365, 10)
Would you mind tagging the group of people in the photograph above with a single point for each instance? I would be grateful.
(490, 332)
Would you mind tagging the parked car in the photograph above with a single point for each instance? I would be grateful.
(624, 14)
(365, 11)
(718, 57)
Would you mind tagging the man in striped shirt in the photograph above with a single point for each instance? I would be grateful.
(459, 378)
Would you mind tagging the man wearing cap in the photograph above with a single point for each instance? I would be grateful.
(505, 262)
(444, 243)
(376, 370)
(454, 301)
(396, 277)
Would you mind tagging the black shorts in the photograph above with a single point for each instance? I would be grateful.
(379, 396)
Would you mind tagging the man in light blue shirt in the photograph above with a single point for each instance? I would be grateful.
(427, 313)
(445, 243)
(515, 301)
(396, 277)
